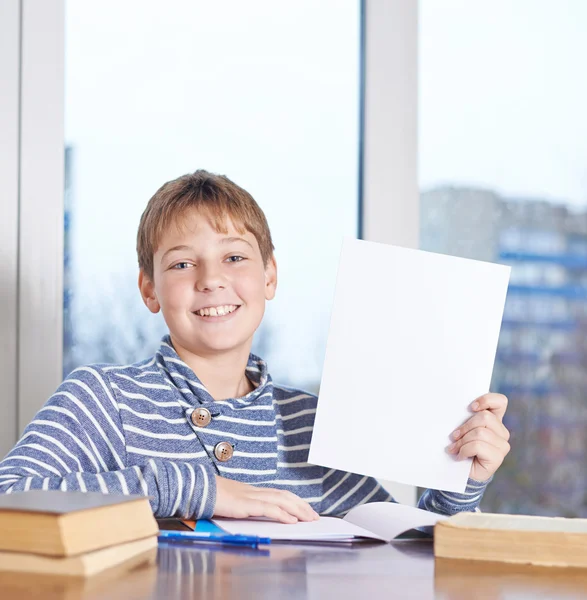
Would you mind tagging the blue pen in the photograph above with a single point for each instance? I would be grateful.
(252, 541)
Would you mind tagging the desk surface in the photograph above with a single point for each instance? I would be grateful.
(399, 570)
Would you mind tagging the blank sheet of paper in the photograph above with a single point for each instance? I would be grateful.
(411, 344)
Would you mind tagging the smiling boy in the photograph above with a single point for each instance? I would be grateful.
(201, 427)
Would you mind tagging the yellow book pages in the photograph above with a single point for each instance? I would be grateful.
(545, 541)
(82, 565)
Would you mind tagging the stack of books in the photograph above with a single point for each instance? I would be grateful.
(74, 533)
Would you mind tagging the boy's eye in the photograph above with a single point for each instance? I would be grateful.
(235, 258)
(181, 265)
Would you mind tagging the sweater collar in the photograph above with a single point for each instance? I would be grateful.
(181, 376)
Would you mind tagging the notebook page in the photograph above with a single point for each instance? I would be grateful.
(324, 529)
(389, 519)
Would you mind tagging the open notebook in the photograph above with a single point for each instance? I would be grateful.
(383, 521)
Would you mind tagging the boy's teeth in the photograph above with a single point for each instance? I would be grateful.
(217, 311)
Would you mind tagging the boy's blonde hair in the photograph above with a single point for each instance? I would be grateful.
(216, 196)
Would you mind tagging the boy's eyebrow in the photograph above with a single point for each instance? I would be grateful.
(229, 240)
(182, 247)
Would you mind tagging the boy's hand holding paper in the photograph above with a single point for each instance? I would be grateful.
(412, 341)
(483, 437)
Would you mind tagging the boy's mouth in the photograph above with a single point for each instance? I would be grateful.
(216, 311)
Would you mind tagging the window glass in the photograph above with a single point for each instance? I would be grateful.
(503, 149)
(264, 92)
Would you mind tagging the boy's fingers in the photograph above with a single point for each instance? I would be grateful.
(306, 510)
(480, 435)
(241, 500)
(292, 498)
(496, 403)
(298, 510)
(485, 418)
(483, 452)
(260, 508)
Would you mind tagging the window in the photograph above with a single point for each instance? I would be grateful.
(264, 92)
(502, 171)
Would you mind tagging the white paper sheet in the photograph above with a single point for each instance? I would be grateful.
(411, 344)
(326, 529)
(377, 520)
(389, 519)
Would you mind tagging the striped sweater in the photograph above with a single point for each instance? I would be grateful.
(128, 429)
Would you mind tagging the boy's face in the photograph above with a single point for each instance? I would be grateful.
(210, 286)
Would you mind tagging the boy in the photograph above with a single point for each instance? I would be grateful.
(200, 427)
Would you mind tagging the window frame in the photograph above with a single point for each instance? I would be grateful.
(10, 17)
(390, 195)
(40, 228)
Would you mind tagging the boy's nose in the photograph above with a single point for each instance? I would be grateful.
(209, 279)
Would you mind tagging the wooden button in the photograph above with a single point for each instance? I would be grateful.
(223, 451)
(201, 417)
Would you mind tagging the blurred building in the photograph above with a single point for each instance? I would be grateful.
(542, 353)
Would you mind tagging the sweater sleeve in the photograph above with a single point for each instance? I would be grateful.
(76, 442)
(450, 503)
(343, 491)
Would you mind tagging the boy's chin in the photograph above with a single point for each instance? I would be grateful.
(217, 346)
(219, 349)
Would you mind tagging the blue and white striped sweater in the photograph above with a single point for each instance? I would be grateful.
(128, 429)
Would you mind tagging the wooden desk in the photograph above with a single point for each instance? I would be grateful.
(403, 570)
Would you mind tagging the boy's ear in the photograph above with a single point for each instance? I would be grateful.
(270, 278)
(147, 288)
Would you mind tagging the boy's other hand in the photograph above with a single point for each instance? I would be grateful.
(241, 500)
(483, 437)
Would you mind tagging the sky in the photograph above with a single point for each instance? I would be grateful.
(503, 93)
(267, 93)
